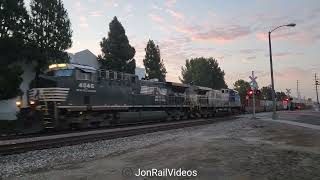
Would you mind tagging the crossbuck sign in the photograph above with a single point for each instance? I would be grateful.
(253, 82)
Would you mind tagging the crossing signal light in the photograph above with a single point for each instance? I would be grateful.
(250, 92)
(257, 93)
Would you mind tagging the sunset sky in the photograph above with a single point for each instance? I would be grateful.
(232, 31)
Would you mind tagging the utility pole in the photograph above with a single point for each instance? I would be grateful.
(316, 84)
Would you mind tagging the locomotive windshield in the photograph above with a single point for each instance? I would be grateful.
(60, 73)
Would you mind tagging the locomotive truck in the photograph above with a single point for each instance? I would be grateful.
(80, 96)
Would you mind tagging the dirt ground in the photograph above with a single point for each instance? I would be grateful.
(234, 150)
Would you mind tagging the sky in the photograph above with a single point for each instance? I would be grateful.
(232, 31)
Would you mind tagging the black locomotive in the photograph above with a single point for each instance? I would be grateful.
(74, 95)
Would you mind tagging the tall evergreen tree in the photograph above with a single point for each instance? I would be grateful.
(14, 34)
(117, 53)
(153, 62)
(203, 72)
(51, 32)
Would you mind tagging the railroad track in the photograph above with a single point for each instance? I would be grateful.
(15, 146)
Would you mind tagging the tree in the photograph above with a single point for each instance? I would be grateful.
(117, 53)
(51, 34)
(14, 36)
(266, 93)
(280, 96)
(203, 72)
(242, 87)
(10, 80)
(153, 62)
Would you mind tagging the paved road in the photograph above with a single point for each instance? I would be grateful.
(309, 117)
(305, 117)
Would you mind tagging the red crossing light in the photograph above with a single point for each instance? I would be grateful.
(250, 92)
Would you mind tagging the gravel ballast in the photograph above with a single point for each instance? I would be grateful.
(233, 149)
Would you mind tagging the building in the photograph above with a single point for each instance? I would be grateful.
(85, 57)
(140, 72)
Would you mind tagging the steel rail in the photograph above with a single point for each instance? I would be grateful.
(29, 144)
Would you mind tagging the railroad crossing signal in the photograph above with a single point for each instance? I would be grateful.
(253, 82)
(288, 91)
(254, 86)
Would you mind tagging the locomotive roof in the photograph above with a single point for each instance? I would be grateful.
(85, 68)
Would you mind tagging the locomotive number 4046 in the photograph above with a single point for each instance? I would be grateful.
(86, 85)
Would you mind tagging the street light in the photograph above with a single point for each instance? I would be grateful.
(274, 115)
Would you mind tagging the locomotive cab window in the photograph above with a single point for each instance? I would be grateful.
(82, 75)
(60, 73)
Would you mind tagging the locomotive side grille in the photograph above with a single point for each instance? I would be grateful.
(48, 94)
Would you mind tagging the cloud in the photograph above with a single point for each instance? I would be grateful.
(84, 25)
(305, 33)
(250, 51)
(128, 8)
(96, 14)
(285, 54)
(79, 7)
(170, 3)
(156, 18)
(248, 60)
(185, 29)
(83, 22)
(110, 3)
(279, 36)
(222, 34)
(175, 14)
(156, 7)
(245, 61)
(252, 57)
(294, 73)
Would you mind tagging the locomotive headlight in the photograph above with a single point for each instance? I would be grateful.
(18, 103)
(32, 102)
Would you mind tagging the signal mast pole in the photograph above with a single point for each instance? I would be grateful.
(298, 93)
(316, 84)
